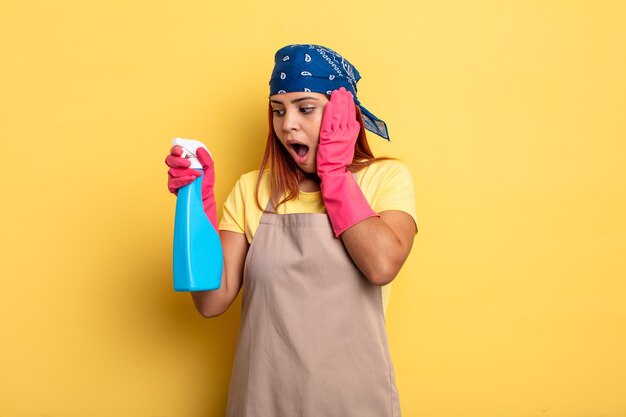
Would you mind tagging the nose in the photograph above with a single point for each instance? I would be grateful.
(291, 121)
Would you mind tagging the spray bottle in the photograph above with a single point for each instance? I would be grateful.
(198, 258)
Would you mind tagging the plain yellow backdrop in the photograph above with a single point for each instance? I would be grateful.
(509, 115)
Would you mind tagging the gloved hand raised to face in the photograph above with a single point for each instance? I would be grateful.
(345, 203)
(180, 174)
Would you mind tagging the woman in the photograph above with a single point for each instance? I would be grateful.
(310, 238)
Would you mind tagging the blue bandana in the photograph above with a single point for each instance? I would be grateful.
(318, 69)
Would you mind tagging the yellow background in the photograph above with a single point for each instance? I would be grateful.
(510, 116)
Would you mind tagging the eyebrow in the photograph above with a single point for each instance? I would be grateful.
(296, 100)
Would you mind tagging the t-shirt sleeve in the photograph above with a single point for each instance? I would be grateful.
(233, 216)
(397, 192)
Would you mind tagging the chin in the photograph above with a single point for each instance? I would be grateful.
(308, 170)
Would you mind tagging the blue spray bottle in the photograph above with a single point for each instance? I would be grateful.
(198, 258)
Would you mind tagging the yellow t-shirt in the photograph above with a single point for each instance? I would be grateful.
(387, 185)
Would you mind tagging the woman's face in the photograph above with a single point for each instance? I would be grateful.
(297, 118)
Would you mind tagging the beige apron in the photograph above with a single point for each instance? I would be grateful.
(312, 339)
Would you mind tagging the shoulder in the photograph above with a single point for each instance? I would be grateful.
(381, 171)
(249, 176)
(249, 180)
(389, 185)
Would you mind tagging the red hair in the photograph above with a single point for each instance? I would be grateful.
(285, 175)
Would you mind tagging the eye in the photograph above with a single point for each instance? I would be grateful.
(307, 109)
(278, 112)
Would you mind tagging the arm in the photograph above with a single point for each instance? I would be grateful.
(216, 302)
(234, 245)
(380, 259)
(378, 243)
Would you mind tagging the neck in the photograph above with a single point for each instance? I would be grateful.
(309, 182)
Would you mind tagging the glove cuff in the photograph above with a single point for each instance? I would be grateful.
(345, 203)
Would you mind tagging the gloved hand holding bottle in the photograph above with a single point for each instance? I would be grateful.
(181, 174)
(345, 203)
(198, 258)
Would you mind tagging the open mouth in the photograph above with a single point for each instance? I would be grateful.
(299, 152)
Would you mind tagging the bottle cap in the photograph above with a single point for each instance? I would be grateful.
(190, 146)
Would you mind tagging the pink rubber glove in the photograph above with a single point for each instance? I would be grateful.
(180, 175)
(345, 203)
